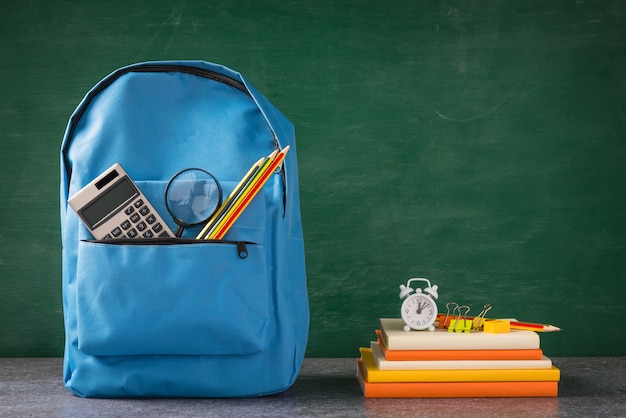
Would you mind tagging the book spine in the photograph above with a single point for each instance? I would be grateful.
(435, 355)
(383, 364)
(396, 338)
(373, 374)
(514, 341)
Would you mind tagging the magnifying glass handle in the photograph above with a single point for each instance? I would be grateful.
(179, 231)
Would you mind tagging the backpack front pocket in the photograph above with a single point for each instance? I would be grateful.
(179, 299)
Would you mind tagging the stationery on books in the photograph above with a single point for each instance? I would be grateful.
(396, 338)
(527, 326)
(454, 389)
(383, 364)
(373, 374)
(488, 354)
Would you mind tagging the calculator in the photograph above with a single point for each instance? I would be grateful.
(112, 206)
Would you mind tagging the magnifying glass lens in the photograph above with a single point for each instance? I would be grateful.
(192, 196)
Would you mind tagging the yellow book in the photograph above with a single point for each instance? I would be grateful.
(454, 389)
(374, 375)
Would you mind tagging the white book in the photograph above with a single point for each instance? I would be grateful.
(392, 330)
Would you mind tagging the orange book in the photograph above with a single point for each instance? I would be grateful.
(408, 355)
(455, 389)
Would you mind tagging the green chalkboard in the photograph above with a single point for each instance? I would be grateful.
(479, 144)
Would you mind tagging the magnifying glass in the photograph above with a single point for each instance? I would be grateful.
(192, 196)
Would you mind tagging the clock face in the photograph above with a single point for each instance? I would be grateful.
(418, 311)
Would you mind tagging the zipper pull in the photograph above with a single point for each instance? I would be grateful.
(242, 249)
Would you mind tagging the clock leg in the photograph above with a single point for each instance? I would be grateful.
(407, 328)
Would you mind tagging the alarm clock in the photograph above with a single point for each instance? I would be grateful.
(418, 310)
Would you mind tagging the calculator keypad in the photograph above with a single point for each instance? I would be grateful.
(141, 223)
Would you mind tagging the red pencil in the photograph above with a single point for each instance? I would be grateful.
(533, 327)
(514, 324)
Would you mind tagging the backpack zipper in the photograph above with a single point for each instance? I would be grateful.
(160, 68)
(242, 246)
(145, 68)
(200, 72)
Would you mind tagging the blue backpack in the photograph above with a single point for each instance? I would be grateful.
(183, 317)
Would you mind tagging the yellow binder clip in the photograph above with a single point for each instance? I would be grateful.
(479, 321)
(461, 323)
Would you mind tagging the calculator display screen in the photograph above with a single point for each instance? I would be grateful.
(107, 202)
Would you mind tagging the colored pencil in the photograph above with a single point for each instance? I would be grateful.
(229, 201)
(237, 194)
(219, 223)
(527, 326)
(254, 189)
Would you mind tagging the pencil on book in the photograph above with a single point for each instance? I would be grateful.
(534, 327)
(527, 326)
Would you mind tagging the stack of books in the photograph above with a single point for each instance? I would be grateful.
(443, 364)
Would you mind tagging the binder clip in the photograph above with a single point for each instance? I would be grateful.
(461, 323)
(479, 321)
(445, 323)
